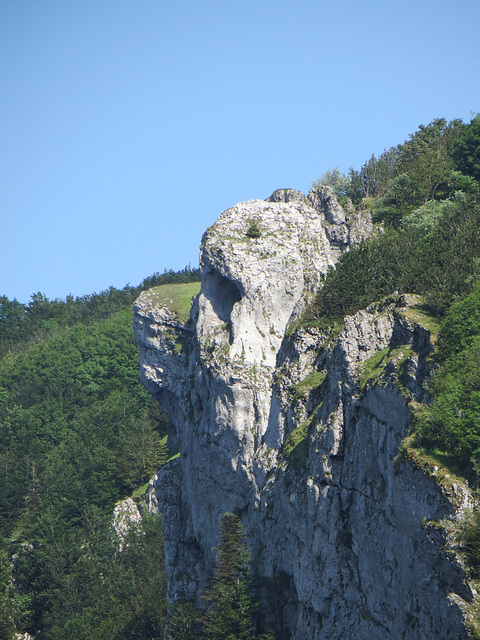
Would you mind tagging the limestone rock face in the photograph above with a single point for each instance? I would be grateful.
(299, 433)
(125, 518)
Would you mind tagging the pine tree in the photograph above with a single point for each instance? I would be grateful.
(5, 612)
(230, 616)
(184, 622)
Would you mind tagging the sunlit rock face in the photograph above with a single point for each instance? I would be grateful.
(126, 518)
(287, 429)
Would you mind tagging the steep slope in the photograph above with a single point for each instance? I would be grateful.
(300, 434)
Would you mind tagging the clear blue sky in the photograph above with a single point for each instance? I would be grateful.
(128, 127)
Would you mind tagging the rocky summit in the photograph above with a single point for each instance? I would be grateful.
(299, 432)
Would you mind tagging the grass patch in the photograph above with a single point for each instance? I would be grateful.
(422, 314)
(312, 381)
(180, 345)
(176, 297)
(373, 368)
(141, 491)
(299, 454)
(295, 449)
(444, 465)
(294, 439)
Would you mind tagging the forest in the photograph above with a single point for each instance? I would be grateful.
(78, 433)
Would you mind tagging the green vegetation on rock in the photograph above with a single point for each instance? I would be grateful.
(295, 449)
(420, 313)
(373, 368)
(452, 422)
(313, 380)
(253, 231)
(176, 297)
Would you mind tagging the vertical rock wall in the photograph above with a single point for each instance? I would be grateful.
(291, 434)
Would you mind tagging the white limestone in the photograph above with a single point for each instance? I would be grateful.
(336, 525)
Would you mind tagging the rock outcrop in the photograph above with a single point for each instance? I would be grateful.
(300, 433)
(126, 518)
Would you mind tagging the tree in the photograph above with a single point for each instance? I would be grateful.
(427, 158)
(376, 172)
(467, 149)
(339, 182)
(397, 200)
(230, 616)
(470, 542)
(12, 315)
(183, 622)
(5, 611)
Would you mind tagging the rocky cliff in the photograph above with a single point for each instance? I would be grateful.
(300, 433)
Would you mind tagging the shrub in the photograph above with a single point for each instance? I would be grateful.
(253, 231)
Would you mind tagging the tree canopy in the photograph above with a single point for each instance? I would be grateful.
(77, 433)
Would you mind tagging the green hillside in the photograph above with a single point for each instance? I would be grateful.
(78, 433)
